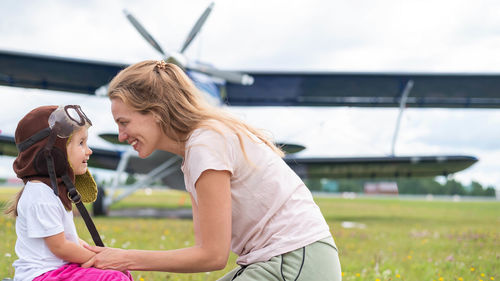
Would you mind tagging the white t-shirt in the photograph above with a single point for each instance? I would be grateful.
(40, 214)
(273, 212)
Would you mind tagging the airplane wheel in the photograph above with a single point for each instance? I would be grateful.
(98, 207)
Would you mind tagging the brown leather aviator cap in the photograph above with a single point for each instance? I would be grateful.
(42, 151)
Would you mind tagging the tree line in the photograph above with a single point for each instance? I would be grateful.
(406, 186)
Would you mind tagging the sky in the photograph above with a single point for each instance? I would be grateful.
(314, 35)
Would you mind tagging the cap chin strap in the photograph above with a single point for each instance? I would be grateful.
(74, 196)
(52, 171)
(50, 162)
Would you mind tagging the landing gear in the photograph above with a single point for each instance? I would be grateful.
(99, 207)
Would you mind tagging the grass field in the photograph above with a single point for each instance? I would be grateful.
(388, 239)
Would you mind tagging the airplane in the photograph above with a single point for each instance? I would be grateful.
(232, 88)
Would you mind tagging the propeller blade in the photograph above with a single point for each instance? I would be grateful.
(229, 76)
(197, 27)
(144, 33)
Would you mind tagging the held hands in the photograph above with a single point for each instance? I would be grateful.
(106, 258)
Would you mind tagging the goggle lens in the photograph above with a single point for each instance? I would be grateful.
(65, 120)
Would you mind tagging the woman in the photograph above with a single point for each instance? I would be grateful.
(244, 196)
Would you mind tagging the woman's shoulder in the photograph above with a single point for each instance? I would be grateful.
(211, 130)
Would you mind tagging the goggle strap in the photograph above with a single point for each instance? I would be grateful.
(33, 139)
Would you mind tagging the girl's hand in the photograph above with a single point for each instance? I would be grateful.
(83, 243)
(91, 261)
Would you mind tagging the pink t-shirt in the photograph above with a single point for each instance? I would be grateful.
(273, 212)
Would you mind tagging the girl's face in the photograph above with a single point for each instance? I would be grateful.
(142, 131)
(78, 151)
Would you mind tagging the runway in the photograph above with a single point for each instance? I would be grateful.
(181, 213)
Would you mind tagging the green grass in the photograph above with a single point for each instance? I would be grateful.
(402, 239)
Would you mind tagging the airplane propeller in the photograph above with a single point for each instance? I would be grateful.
(180, 60)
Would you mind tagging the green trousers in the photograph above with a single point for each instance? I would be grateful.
(318, 261)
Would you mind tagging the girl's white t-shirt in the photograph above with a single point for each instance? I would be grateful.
(273, 212)
(40, 214)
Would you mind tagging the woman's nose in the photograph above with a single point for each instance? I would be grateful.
(122, 136)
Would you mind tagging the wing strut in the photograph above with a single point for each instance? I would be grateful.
(159, 172)
(122, 165)
(402, 105)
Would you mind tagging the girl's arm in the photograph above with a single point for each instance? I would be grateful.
(67, 250)
(213, 238)
(83, 243)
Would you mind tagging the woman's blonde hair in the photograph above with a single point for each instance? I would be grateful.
(164, 90)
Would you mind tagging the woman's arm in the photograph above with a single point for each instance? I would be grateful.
(196, 225)
(213, 239)
(67, 250)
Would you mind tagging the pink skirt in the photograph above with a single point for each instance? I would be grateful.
(73, 271)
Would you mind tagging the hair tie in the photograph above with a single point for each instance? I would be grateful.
(161, 64)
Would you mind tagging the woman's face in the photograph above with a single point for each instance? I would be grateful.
(142, 131)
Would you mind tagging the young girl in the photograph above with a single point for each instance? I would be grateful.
(52, 159)
(244, 196)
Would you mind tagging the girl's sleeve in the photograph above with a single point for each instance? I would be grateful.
(44, 219)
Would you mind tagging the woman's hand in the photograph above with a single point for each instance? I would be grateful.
(106, 258)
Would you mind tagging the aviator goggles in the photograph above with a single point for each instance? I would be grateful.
(62, 122)
(65, 120)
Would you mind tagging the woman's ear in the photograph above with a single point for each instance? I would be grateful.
(157, 118)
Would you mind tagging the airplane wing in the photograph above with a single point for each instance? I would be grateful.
(379, 167)
(273, 88)
(55, 73)
(306, 168)
(367, 90)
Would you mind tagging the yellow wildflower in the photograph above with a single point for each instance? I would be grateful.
(472, 269)
(357, 274)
